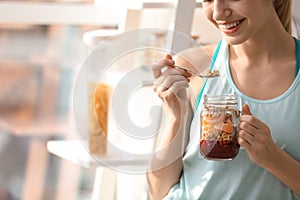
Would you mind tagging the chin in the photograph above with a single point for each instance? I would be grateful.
(234, 40)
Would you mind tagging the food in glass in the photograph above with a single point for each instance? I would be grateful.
(219, 121)
(98, 108)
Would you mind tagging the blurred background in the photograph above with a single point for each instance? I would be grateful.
(42, 46)
(38, 63)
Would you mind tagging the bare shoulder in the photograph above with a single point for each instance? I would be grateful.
(210, 49)
(196, 58)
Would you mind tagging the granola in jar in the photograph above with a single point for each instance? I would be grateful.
(219, 121)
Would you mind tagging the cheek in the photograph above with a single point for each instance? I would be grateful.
(208, 13)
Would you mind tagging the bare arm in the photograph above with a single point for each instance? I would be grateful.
(166, 166)
(286, 169)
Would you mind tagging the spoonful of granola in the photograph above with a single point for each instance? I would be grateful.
(208, 74)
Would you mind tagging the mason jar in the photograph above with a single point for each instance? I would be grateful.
(219, 121)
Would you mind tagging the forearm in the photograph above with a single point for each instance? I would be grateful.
(166, 166)
(161, 181)
(286, 169)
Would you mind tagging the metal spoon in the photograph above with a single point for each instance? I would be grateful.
(209, 74)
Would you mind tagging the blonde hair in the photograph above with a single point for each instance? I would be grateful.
(283, 10)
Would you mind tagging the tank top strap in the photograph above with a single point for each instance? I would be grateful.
(297, 55)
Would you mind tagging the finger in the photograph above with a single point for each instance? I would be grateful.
(161, 90)
(246, 110)
(247, 116)
(169, 75)
(173, 91)
(161, 85)
(243, 143)
(178, 85)
(174, 71)
(247, 127)
(168, 56)
(184, 72)
(157, 88)
(253, 121)
(172, 86)
(159, 65)
(165, 82)
(246, 136)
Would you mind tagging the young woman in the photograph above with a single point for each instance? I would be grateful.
(259, 61)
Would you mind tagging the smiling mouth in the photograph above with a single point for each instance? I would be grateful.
(230, 25)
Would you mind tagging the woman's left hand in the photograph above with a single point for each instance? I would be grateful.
(255, 137)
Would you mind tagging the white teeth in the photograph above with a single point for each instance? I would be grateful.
(228, 26)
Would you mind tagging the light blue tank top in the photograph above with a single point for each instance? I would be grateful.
(240, 179)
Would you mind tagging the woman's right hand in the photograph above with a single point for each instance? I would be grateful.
(170, 86)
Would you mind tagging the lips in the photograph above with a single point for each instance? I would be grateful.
(230, 26)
